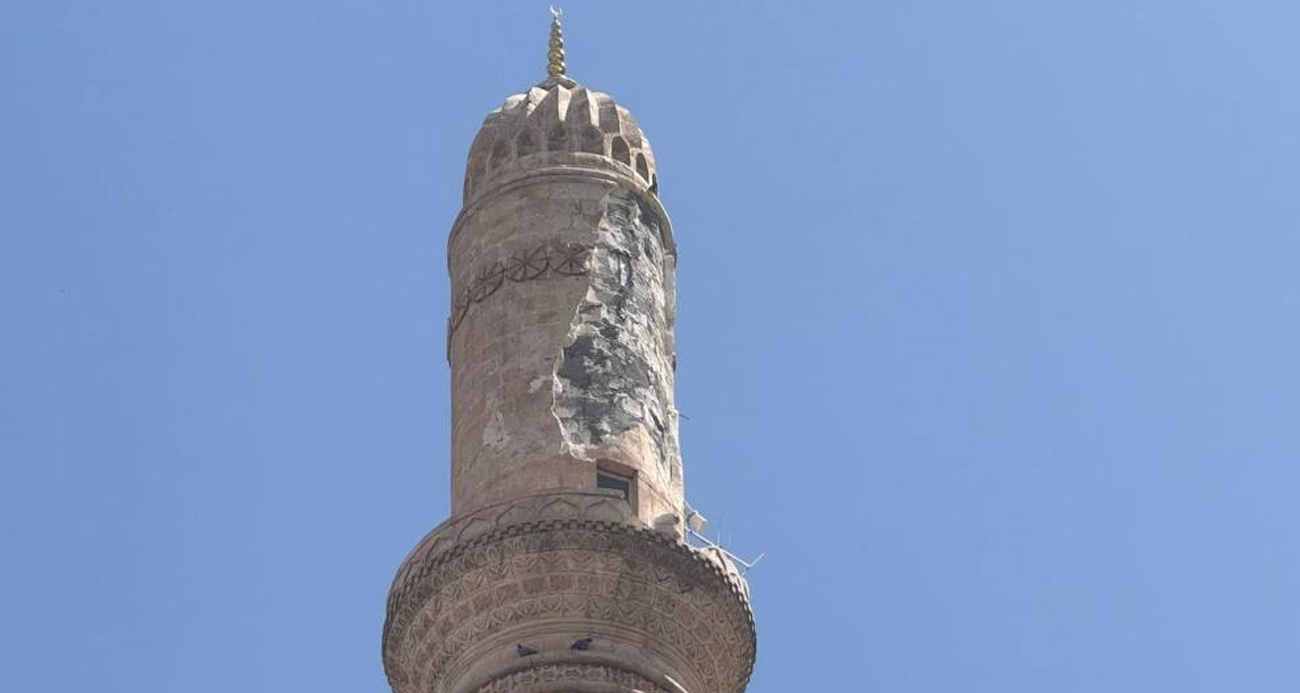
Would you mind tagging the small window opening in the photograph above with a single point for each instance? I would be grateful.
(591, 141)
(620, 152)
(529, 142)
(616, 482)
(500, 153)
(557, 139)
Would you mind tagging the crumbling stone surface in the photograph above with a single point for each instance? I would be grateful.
(615, 373)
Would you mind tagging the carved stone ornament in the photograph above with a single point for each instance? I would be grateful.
(532, 677)
(558, 259)
(450, 598)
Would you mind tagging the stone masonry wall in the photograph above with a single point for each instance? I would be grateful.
(560, 341)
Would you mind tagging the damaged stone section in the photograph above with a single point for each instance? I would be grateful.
(494, 433)
(615, 374)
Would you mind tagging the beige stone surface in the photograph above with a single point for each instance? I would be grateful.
(560, 343)
(560, 337)
(475, 590)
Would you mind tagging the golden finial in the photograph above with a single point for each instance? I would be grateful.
(555, 56)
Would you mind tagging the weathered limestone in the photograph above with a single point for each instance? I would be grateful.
(560, 338)
(567, 495)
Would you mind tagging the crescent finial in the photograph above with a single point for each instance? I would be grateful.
(555, 66)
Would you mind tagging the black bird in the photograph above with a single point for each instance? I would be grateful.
(524, 650)
(583, 644)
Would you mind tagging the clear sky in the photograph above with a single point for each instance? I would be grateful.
(989, 329)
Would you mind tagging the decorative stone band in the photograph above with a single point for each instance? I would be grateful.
(562, 504)
(553, 259)
(593, 575)
(569, 674)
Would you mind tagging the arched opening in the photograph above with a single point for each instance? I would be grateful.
(500, 153)
(642, 168)
(475, 173)
(620, 152)
(557, 138)
(590, 140)
(530, 142)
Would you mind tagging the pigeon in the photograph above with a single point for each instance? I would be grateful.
(524, 650)
(583, 644)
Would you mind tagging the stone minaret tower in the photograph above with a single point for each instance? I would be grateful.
(563, 566)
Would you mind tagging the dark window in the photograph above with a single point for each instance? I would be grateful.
(591, 141)
(557, 140)
(530, 140)
(620, 152)
(614, 482)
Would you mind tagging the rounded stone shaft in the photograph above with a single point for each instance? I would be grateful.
(560, 335)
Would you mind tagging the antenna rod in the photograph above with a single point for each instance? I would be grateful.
(747, 565)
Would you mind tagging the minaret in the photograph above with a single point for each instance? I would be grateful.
(564, 566)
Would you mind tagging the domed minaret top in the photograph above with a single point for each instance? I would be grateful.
(559, 124)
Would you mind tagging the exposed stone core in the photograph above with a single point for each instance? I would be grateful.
(614, 379)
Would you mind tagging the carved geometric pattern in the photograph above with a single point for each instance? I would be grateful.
(568, 673)
(561, 259)
(526, 265)
(535, 571)
(571, 259)
(584, 504)
(487, 281)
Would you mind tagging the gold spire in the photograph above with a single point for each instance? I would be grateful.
(555, 56)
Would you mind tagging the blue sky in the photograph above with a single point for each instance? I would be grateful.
(987, 336)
